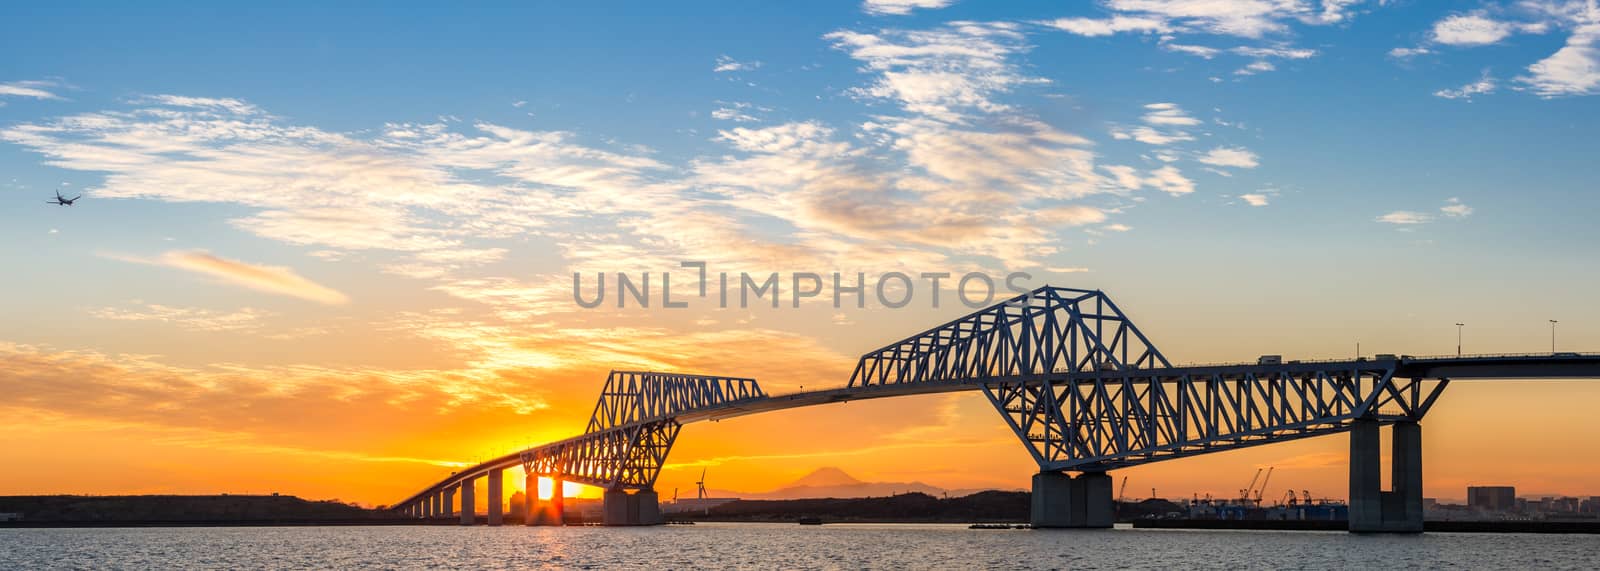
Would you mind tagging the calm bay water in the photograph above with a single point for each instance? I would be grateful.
(784, 546)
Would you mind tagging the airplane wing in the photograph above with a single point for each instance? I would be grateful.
(75, 198)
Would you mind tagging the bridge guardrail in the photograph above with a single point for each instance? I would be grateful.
(1567, 354)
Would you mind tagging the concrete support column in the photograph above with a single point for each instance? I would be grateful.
(1060, 500)
(1366, 483)
(1052, 500)
(497, 497)
(614, 508)
(557, 501)
(435, 504)
(1373, 510)
(1406, 461)
(469, 504)
(530, 498)
(1097, 502)
(649, 507)
(449, 502)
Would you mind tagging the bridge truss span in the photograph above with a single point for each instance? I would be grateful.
(631, 397)
(630, 456)
(1103, 420)
(1050, 329)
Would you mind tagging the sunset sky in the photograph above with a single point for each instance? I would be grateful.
(327, 249)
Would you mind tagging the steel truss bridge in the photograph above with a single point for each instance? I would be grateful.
(1080, 385)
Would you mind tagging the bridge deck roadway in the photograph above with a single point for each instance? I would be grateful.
(1469, 367)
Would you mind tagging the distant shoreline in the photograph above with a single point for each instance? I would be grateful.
(1450, 526)
(1541, 527)
(240, 523)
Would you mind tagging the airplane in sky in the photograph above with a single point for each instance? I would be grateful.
(63, 201)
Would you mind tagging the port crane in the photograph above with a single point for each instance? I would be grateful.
(1122, 492)
(1263, 487)
(1244, 494)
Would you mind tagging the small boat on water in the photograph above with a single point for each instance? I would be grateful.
(809, 520)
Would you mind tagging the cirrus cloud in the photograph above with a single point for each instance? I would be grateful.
(270, 279)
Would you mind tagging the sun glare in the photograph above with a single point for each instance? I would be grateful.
(568, 489)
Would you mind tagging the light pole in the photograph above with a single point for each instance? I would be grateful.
(1553, 336)
(1458, 338)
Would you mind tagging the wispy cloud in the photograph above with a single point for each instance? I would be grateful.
(726, 64)
(1484, 85)
(34, 89)
(1254, 199)
(901, 7)
(1572, 70)
(1237, 157)
(1170, 180)
(737, 111)
(193, 319)
(1455, 209)
(1168, 114)
(1470, 29)
(1162, 126)
(1242, 18)
(224, 104)
(940, 72)
(1405, 218)
(270, 279)
(1256, 67)
(1149, 135)
(1405, 53)
(1107, 26)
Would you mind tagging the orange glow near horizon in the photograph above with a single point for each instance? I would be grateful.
(568, 489)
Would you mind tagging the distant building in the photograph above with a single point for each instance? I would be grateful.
(1562, 504)
(1492, 498)
(1591, 505)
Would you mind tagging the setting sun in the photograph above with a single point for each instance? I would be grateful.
(568, 489)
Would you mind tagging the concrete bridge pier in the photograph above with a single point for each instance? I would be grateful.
(557, 502)
(639, 508)
(530, 499)
(1372, 509)
(497, 497)
(649, 507)
(435, 504)
(469, 505)
(449, 502)
(1060, 500)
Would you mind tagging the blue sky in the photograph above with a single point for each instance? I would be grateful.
(402, 190)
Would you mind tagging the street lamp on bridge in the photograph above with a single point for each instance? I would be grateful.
(1458, 338)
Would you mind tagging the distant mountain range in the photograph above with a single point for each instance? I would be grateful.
(832, 482)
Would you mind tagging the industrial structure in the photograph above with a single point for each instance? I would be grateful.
(1083, 389)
